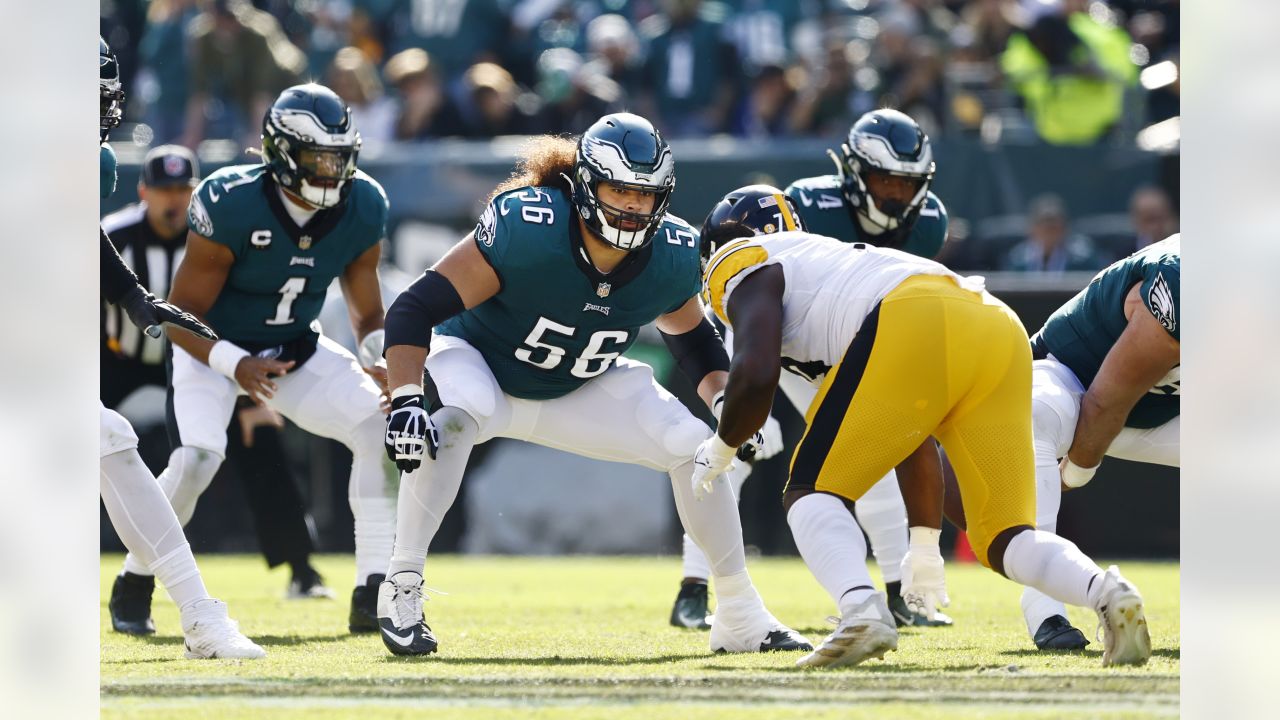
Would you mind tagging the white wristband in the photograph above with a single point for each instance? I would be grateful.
(717, 404)
(1073, 476)
(225, 356)
(371, 347)
(405, 391)
(925, 536)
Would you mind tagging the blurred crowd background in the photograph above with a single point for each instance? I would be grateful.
(1055, 125)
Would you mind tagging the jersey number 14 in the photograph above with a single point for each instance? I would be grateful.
(546, 356)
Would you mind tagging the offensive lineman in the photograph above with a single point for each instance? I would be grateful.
(573, 255)
(879, 196)
(914, 351)
(1106, 381)
(265, 242)
(134, 500)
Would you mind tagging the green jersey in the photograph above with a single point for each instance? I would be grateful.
(106, 171)
(557, 322)
(277, 284)
(826, 212)
(1081, 333)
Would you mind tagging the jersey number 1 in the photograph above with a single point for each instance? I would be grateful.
(292, 288)
(582, 365)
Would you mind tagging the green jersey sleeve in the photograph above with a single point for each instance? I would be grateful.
(930, 230)
(372, 208)
(220, 207)
(1161, 288)
(514, 226)
(686, 276)
(106, 171)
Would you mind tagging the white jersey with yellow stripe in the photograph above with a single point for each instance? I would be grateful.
(830, 289)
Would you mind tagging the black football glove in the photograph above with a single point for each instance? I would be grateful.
(409, 432)
(150, 313)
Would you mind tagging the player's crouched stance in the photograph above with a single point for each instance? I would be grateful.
(531, 313)
(915, 353)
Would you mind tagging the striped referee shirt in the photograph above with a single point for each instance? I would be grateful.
(154, 259)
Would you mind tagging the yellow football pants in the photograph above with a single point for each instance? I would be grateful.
(935, 360)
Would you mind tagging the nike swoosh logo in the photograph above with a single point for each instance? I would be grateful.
(405, 641)
(804, 198)
(213, 194)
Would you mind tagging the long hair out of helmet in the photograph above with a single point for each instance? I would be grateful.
(889, 142)
(110, 91)
(310, 144)
(747, 211)
(627, 152)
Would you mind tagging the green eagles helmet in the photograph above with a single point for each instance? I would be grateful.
(110, 91)
(891, 143)
(310, 144)
(627, 151)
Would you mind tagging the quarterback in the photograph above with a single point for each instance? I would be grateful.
(911, 352)
(264, 243)
(526, 320)
(881, 196)
(134, 500)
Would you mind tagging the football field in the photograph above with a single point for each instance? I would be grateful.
(587, 637)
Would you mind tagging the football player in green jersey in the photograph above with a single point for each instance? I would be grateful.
(1107, 381)
(531, 313)
(265, 241)
(879, 196)
(135, 502)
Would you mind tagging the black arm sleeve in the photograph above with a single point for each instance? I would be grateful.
(698, 352)
(429, 301)
(117, 278)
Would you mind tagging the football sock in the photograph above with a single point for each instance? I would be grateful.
(712, 523)
(831, 543)
(694, 561)
(427, 493)
(370, 494)
(883, 515)
(893, 589)
(1051, 564)
(1036, 606)
(147, 525)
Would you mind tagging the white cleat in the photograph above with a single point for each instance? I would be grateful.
(1126, 640)
(866, 631)
(744, 625)
(211, 634)
(401, 622)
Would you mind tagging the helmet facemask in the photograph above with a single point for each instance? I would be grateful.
(110, 92)
(616, 226)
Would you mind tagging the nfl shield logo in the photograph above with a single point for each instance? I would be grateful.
(174, 165)
(603, 289)
(304, 242)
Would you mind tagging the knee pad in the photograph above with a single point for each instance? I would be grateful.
(190, 468)
(115, 433)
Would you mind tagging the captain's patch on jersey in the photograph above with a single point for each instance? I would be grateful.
(486, 227)
(198, 217)
(1160, 299)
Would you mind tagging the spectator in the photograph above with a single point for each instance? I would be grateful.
(489, 107)
(163, 75)
(1050, 247)
(614, 49)
(910, 66)
(573, 94)
(828, 103)
(1070, 70)
(424, 109)
(240, 59)
(328, 30)
(691, 75)
(989, 25)
(355, 80)
(770, 104)
(1152, 216)
(456, 34)
(761, 30)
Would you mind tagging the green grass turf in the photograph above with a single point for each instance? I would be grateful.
(588, 637)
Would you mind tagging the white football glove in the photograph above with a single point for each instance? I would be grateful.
(924, 585)
(711, 460)
(770, 439)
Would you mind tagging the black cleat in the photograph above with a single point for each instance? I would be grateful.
(400, 618)
(130, 604)
(307, 584)
(903, 616)
(784, 639)
(364, 605)
(1057, 633)
(690, 610)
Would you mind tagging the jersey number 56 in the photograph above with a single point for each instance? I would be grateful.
(546, 356)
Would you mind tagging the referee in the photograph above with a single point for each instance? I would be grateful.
(151, 237)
